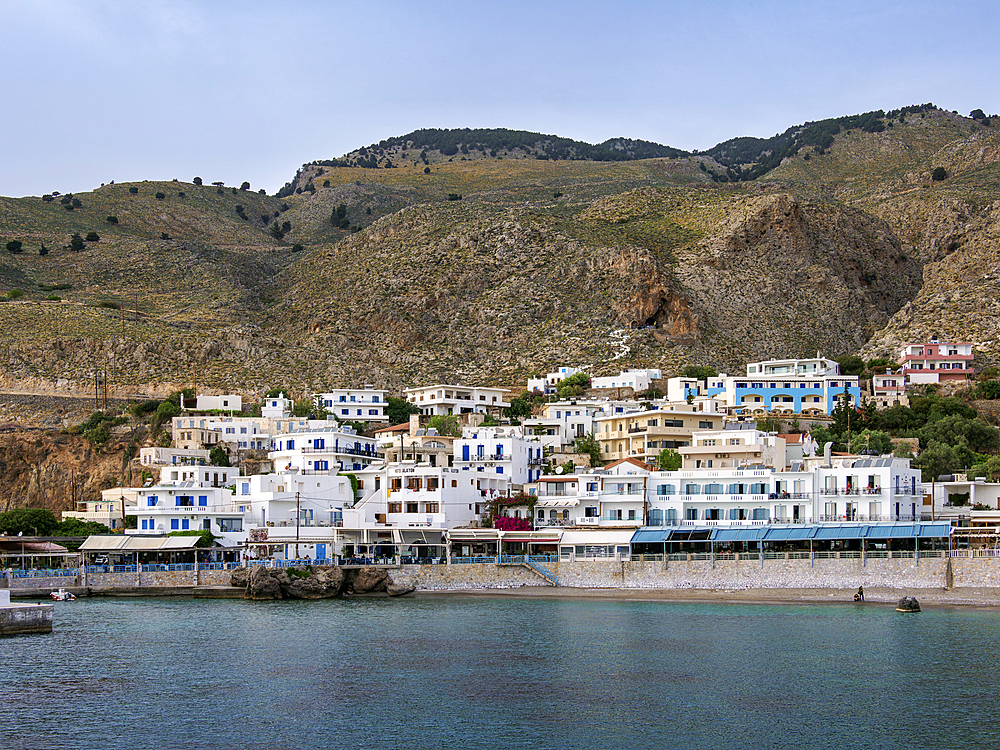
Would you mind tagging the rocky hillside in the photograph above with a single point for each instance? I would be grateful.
(479, 266)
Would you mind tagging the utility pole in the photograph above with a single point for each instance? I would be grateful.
(297, 514)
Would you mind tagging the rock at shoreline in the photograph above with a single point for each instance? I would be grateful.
(240, 578)
(262, 585)
(321, 582)
(368, 581)
(908, 604)
(399, 590)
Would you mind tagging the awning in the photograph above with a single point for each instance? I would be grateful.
(788, 534)
(129, 543)
(566, 502)
(651, 536)
(831, 533)
(935, 529)
(598, 537)
(752, 534)
(103, 543)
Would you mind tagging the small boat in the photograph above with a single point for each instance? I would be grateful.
(62, 595)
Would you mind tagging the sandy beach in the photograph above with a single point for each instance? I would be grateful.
(987, 598)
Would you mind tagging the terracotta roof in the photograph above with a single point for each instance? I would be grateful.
(631, 460)
(395, 428)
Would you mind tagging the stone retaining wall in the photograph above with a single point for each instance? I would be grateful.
(26, 618)
(847, 573)
(842, 573)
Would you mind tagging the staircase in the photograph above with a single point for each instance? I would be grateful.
(542, 571)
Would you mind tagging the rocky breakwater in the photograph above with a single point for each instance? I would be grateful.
(313, 582)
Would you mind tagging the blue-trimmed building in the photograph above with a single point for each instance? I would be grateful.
(790, 386)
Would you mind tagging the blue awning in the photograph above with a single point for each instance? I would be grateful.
(790, 534)
(650, 536)
(839, 532)
(935, 529)
(754, 534)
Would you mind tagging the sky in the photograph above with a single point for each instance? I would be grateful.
(99, 90)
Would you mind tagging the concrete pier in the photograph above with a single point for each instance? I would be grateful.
(18, 619)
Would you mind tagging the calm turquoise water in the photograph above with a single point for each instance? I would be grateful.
(481, 672)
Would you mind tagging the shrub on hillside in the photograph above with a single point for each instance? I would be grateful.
(15, 246)
(93, 237)
(112, 220)
(133, 190)
(939, 174)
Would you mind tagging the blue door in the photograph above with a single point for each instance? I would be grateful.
(320, 551)
(465, 453)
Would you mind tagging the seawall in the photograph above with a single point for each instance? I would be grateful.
(20, 619)
(934, 573)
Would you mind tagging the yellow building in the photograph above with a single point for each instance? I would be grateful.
(643, 434)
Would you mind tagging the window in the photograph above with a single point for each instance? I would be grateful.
(665, 489)
(151, 501)
(245, 488)
(395, 507)
(185, 524)
(174, 524)
(432, 508)
(631, 515)
(590, 512)
(705, 425)
(202, 500)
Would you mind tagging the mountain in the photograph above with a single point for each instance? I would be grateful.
(847, 235)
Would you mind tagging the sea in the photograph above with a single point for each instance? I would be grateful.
(505, 672)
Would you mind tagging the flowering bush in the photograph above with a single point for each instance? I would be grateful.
(511, 524)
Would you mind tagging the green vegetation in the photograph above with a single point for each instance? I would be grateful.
(952, 436)
(398, 410)
(445, 425)
(668, 460)
(574, 385)
(217, 456)
(701, 372)
(588, 444)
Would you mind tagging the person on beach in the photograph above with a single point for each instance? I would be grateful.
(861, 594)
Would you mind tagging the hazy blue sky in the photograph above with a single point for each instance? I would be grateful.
(95, 90)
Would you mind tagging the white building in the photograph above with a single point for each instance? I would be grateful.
(441, 400)
(226, 402)
(551, 381)
(355, 404)
(290, 499)
(563, 422)
(638, 380)
(157, 456)
(504, 451)
(326, 450)
(190, 498)
(277, 407)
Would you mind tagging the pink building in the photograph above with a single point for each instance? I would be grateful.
(936, 362)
